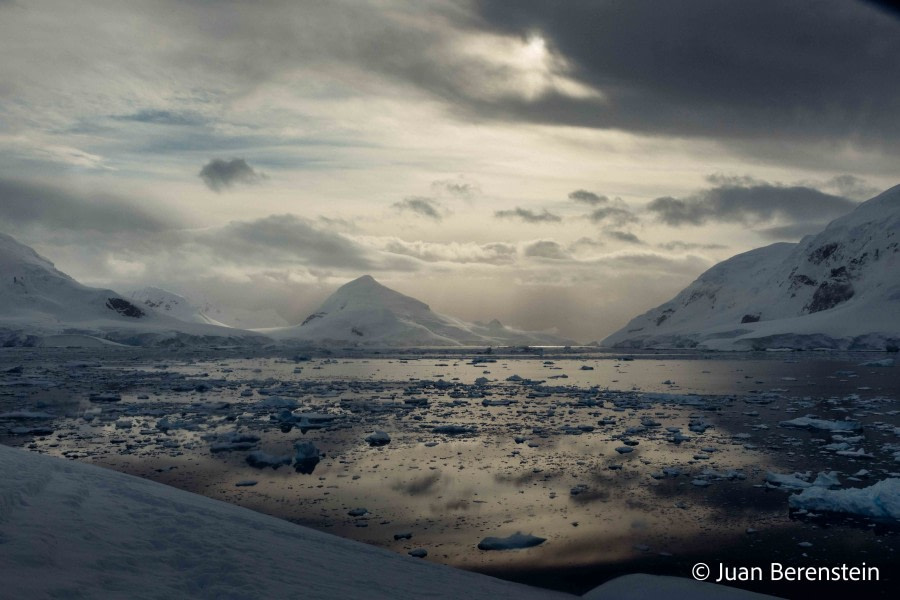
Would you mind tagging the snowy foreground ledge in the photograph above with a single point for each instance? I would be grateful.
(74, 530)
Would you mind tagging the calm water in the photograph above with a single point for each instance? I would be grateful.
(537, 456)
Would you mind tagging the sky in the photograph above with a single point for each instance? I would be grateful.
(559, 166)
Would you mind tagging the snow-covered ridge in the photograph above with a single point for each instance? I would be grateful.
(364, 312)
(172, 304)
(40, 304)
(73, 530)
(839, 289)
(194, 311)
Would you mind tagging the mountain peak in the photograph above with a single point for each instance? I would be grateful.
(15, 254)
(364, 293)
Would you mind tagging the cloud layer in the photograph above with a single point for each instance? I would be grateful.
(219, 175)
(750, 205)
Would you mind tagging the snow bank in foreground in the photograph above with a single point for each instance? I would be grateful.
(74, 530)
(878, 501)
(642, 587)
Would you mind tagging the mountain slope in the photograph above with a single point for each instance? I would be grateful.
(38, 303)
(368, 313)
(172, 304)
(839, 289)
(192, 311)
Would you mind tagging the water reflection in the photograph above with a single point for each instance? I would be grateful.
(536, 458)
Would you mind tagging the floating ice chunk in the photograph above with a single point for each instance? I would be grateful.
(624, 449)
(797, 481)
(105, 397)
(454, 430)
(858, 453)
(378, 438)
(261, 460)
(730, 474)
(827, 480)
(26, 415)
(578, 489)
(698, 425)
(837, 446)
(800, 481)
(814, 423)
(516, 541)
(307, 456)
(487, 402)
(277, 402)
(878, 501)
(886, 362)
(358, 512)
(235, 441)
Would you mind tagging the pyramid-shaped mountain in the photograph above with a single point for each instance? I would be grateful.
(364, 312)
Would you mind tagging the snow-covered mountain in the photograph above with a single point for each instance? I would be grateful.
(41, 305)
(839, 289)
(192, 311)
(172, 304)
(365, 312)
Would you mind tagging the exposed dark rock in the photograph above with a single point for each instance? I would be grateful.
(312, 317)
(829, 295)
(665, 315)
(750, 318)
(124, 308)
(798, 280)
(822, 253)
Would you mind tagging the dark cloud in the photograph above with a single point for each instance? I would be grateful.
(848, 186)
(679, 245)
(25, 203)
(613, 215)
(424, 207)
(750, 205)
(546, 249)
(219, 175)
(703, 68)
(624, 236)
(587, 197)
(529, 216)
(730, 180)
(458, 188)
(283, 239)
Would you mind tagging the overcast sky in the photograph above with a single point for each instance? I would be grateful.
(560, 165)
